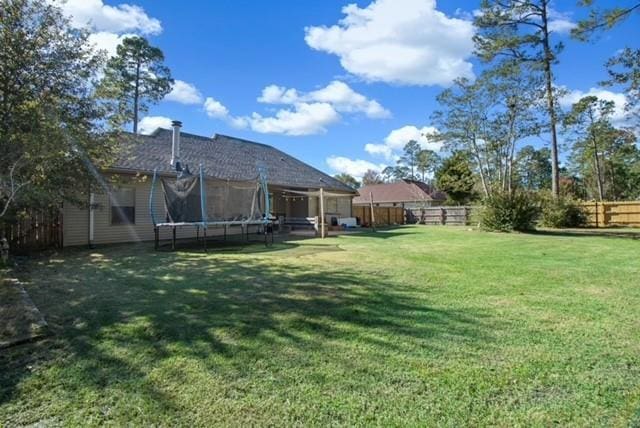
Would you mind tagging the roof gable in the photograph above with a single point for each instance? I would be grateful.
(223, 157)
(400, 191)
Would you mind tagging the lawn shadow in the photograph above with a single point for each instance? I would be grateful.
(108, 305)
(381, 232)
(591, 233)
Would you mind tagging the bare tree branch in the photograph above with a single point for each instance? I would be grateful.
(12, 189)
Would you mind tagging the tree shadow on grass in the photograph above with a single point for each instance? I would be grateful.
(591, 233)
(381, 233)
(115, 313)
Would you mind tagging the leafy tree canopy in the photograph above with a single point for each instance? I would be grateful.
(347, 179)
(533, 168)
(50, 123)
(456, 178)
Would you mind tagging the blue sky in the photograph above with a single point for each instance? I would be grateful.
(338, 77)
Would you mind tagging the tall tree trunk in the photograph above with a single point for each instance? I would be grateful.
(136, 96)
(612, 173)
(596, 161)
(510, 150)
(596, 157)
(483, 179)
(548, 57)
(511, 156)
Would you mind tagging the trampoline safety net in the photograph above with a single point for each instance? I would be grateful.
(182, 200)
(192, 199)
(233, 201)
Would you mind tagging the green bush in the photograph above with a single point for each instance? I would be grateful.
(509, 211)
(562, 212)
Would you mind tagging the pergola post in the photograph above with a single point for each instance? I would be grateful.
(373, 218)
(322, 233)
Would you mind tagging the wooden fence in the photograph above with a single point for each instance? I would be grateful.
(604, 214)
(33, 230)
(384, 216)
(455, 216)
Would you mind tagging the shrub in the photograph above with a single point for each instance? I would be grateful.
(562, 212)
(508, 211)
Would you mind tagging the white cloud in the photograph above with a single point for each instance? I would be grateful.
(215, 109)
(379, 150)
(346, 100)
(274, 94)
(353, 167)
(398, 138)
(302, 119)
(238, 122)
(302, 113)
(398, 41)
(560, 22)
(108, 25)
(561, 25)
(148, 124)
(113, 19)
(619, 115)
(184, 93)
(107, 41)
(401, 136)
(338, 94)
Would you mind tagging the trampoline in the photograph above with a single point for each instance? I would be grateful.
(193, 201)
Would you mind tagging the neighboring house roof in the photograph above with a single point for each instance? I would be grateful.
(398, 192)
(223, 157)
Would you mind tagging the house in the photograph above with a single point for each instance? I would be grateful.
(408, 194)
(120, 210)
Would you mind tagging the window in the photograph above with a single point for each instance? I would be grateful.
(123, 206)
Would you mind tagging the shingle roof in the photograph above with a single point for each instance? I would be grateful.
(400, 191)
(222, 157)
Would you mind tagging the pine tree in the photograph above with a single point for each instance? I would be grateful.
(135, 78)
(519, 29)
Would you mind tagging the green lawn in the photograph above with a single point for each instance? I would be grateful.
(412, 326)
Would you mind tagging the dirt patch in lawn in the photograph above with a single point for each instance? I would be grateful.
(20, 319)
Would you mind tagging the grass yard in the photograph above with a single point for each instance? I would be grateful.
(412, 326)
